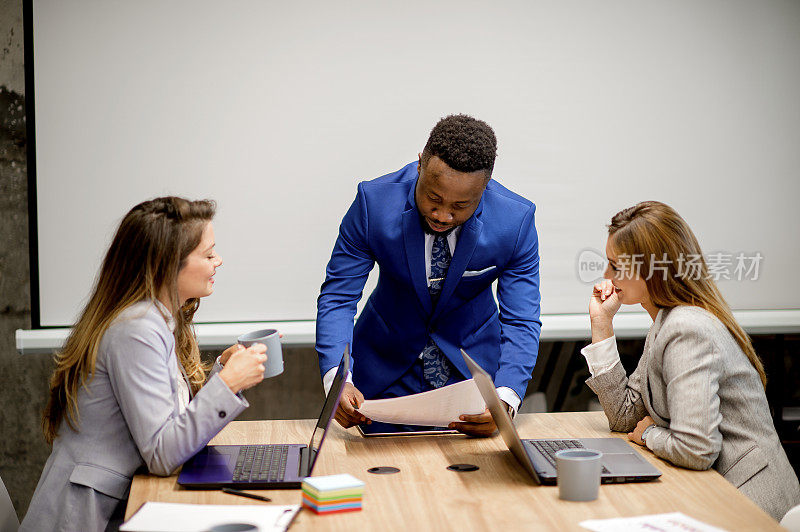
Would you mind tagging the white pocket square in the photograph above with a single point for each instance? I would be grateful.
(475, 273)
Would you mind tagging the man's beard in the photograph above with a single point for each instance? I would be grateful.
(427, 228)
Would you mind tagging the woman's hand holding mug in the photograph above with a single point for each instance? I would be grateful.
(244, 368)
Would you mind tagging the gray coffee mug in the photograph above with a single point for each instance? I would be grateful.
(269, 337)
(578, 474)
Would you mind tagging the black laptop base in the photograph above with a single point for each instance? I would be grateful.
(214, 467)
(246, 486)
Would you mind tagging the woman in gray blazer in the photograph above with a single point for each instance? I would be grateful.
(129, 389)
(697, 395)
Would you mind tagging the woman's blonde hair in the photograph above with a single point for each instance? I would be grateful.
(149, 249)
(673, 265)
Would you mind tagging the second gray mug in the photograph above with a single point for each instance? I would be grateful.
(578, 474)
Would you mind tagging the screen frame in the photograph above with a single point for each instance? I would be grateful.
(337, 387)
(30, 122)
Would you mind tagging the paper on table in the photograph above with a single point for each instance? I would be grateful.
(173, 517)
(437, 407)
(675, 521)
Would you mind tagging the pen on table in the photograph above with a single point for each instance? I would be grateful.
(245, 494)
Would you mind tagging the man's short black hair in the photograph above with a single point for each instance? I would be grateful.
(464, 143)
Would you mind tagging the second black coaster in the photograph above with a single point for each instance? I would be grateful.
(463, 468)
(383, 470)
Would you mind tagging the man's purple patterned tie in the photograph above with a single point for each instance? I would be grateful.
(436, 367)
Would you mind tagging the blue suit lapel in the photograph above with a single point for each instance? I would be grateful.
(414, 239)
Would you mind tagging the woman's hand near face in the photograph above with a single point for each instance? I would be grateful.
(603, 305)
(604, 302)
(244, 368)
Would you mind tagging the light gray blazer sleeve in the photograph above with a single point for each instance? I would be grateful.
(138, 370)
(216, 368)
(691, 369)
(620, 396)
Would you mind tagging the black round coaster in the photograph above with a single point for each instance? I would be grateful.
(463, 468)
(383, 470)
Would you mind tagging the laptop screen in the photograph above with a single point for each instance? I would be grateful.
(500, 415)
(329, 408)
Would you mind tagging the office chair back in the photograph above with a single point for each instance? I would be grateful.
(8, 516)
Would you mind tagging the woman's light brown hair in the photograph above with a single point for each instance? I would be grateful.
(149, 249)
(657, 236)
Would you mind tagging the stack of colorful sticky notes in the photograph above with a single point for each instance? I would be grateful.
(332, 494)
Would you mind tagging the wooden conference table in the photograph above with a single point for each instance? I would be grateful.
(499, 496)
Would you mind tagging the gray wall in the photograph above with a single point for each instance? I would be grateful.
(297, 393)
(22, 381)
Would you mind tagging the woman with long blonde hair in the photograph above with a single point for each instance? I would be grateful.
(697, 396)
(129, 389)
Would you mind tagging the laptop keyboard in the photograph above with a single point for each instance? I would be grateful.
(548, 448)
(261, 463)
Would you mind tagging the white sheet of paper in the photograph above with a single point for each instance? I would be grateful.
(174, 517)
(436, 407)
(675, 521)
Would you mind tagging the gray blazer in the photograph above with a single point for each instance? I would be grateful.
(708, 404)
(129, 417)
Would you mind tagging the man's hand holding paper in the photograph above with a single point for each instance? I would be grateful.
(346, 413)
(482, 424)
(459, 406)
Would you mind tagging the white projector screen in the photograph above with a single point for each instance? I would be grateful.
(278, 109)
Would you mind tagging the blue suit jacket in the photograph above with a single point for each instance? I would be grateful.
(383, 226)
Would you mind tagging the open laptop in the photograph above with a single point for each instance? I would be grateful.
(621, 463)
(264, 466)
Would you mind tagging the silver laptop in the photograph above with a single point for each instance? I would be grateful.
(621, 463)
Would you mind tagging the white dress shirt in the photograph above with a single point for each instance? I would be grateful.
(506, 394)
(601, 356)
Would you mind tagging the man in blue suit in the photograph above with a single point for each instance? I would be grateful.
(441, 231)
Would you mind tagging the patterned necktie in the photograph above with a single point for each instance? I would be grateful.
(435, 366)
